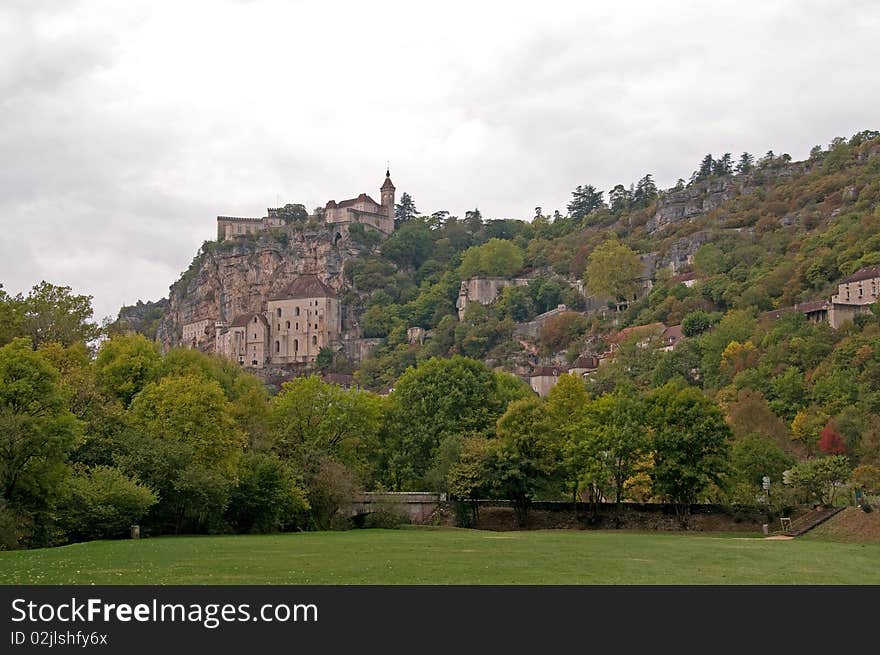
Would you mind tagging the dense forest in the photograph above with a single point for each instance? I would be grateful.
(99, 429)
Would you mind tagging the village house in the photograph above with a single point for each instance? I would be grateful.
(303, 318)
(245, 341)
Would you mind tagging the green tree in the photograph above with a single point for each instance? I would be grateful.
(613, 271)
(495, 258)
(522, 462)
(746, 163)
(268, 496)
(821, 478)
(127, 363)
(410, 245)
(53, 313)
(646, 191)
(37, 432)
(755, 456)
(697, 322)
(405, 210)
(690, 445)
(187, 450)
(584, 201)
(439, 397)
(311, 419)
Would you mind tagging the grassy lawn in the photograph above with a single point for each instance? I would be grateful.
(449, 556)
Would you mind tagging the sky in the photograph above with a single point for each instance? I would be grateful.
(126, 128)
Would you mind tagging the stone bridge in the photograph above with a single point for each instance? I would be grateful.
(417, 505)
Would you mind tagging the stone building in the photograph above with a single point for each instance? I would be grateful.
(362, 209)
(303, 318)
(195, 333)
(483, 290)
(860, 288)
(245, 341)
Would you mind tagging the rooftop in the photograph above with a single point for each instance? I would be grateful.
(305, 286)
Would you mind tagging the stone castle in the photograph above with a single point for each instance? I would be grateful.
(305, 316)
(363, 210)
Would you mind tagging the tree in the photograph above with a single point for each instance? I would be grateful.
(706, 169)
(821, 478)
(439, 397)
(410, 245)
(187, 450)
(36, 431)
(867, 477)
(620, 198)
(522, 461)
(127, 363)
(10, 317)
(468, 477)
(495, 258)
(723, 166)
(755, 456)
(830, 440)
(746, 163)
(310, 420)
(584, 201)
(690, 445)
(405, 210)
(646, 191)
(613, 270)
(53, 313)
(268, 497)
(695, 323)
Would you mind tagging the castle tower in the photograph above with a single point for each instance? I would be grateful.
(387, 191)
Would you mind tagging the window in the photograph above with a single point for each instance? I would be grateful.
(255, 319)
(297, 326)
(278, 311)
(255, 336)
(277, 346)
(278, 327)
(295, 345)
(314, 341)
(288, 325)
(254, 362)
(316, 326)
(296, 311)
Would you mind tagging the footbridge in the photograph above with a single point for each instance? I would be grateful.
(417, 505)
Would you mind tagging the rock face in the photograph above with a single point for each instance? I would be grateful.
(143, 317)
(701, 198)
(238, 276)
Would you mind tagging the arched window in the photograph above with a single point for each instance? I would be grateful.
(278, 311)
(277, 346)
(295, 345)
(288, 325)
(314, 341)
(296, 311)
(255, 319)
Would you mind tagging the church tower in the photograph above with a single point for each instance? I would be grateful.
(387, 191)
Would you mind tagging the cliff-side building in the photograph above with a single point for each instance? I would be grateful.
(362, 209)
(303, 318)
(245, 341)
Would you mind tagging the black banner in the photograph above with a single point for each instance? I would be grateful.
(412, 619)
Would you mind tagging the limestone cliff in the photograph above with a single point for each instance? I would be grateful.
(237, 276)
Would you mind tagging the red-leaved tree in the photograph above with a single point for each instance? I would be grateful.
(830, 441)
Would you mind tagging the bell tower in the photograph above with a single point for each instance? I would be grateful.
(387, 192)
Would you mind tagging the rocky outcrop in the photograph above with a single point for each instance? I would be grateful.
(690, 202)
(143, 317)
(239, 275)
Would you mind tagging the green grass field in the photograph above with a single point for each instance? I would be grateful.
(449, 556)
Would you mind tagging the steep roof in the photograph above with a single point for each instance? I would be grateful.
(862, 274)
(387, 184)
(245, 319)
(636, 329)
(305, 286)
(353, 201)
(586, 361)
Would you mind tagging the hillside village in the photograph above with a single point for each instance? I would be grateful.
(272, 293)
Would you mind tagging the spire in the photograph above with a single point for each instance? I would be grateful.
(388, 184)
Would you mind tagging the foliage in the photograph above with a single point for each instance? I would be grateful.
(495, 258)
(102, 503)
(821, 478)
(268, 496)
(127, 363)
(613, 271)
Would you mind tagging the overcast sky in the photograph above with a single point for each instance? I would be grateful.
(127, 127)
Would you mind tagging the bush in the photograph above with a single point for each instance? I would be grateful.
(103, 503)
